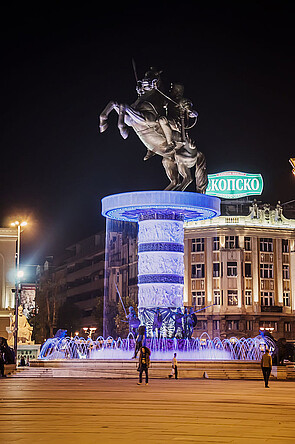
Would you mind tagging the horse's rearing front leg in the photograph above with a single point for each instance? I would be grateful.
(104, 116)
(121, 122)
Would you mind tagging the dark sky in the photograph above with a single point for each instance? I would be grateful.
(61, 67)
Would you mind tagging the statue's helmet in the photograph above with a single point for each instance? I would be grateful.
(176, 91)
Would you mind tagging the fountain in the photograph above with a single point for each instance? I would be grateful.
(199, 349)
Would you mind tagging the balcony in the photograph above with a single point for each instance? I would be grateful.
(271, 309)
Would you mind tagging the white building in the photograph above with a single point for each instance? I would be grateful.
(245, 266)
(8, 239)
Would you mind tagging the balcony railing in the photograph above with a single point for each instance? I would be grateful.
(271, 308)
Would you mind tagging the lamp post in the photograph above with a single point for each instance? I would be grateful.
(19, 226)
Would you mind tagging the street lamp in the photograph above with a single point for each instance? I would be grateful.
(19, 275)
(292, 162)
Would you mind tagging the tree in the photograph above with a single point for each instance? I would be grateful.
(98, 315)
(47, 304)
(68, 317)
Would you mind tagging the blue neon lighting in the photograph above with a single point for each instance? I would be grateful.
(129, 206)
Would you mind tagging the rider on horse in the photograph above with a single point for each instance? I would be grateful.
(161, 123)
(176, 110)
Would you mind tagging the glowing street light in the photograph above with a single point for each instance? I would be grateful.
(89, 331)
(19, 275)
(292, 162)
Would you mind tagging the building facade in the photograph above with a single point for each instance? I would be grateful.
(76, 279)
(242, 268)
(8, 239)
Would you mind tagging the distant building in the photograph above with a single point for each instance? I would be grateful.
(76, 277)
(245, 266)
(85, 275)
(8, 239)
(121, 269)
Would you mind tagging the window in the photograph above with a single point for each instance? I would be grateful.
(198, 244)
(267, 299)
(247, 243)
(217, 298)
(198, 298)
(287, 326)
(286, 299)
(286, 272)
(266, 271)
(233, 325)
(269, 325)
(266, 244)
(232, 297)
(232, 269)
(231, 242)
(285, 246)
(249, 325)
(248, 271)
(215, 243)
(216, 269)
(216, 325)
(248, 297)
(202, 325)
(198, 270)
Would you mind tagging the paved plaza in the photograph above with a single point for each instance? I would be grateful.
(68, 410)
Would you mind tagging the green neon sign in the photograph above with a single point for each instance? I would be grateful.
(234, 184)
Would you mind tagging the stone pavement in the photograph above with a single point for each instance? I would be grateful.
(69, 410)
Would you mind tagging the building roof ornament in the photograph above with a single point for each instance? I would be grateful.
(259, 216)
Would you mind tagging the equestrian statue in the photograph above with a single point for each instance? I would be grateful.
(161, 121)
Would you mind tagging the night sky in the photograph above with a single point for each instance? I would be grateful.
(61, 67)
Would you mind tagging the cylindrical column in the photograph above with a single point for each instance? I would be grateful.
(160, 216)
(160, 270)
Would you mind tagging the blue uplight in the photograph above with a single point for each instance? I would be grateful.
(129, 206)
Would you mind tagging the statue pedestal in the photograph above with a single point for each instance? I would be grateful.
(160, 216)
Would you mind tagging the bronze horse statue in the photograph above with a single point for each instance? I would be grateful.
(161, 123)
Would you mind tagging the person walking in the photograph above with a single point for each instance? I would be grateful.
(143, 365)
(174, 370)
(266, 366)
(2, 366)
